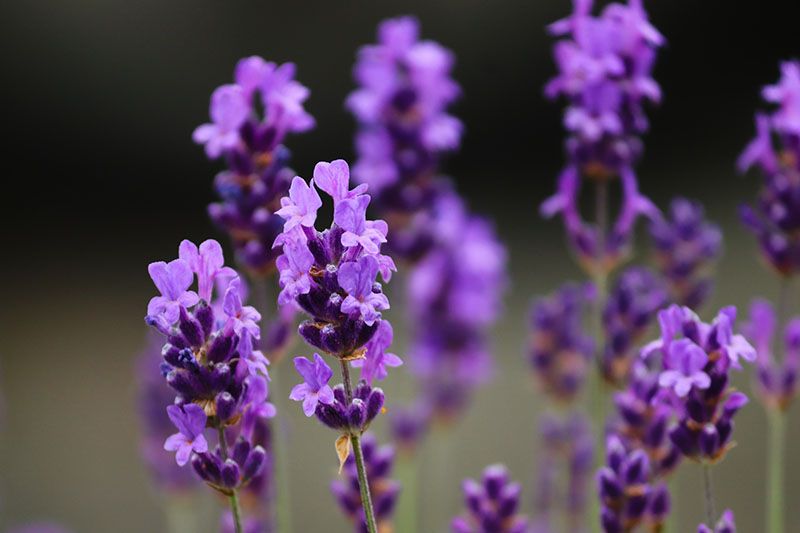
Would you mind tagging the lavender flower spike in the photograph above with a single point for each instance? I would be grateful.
(491, 504)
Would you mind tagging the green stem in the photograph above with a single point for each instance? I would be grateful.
(708, 490)
(408, 476)
(355, 441)
(236, 509)
(775, 486)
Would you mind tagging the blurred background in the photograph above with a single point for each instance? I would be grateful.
(101, 177)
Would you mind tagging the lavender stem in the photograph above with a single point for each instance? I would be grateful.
(709, 495)
(355, 441)
(234, 497)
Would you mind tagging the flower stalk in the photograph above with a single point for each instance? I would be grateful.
(236, 509)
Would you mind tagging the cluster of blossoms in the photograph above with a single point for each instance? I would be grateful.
(630, 308)
(605, 66)
(696, 360)
(454, 294)
(404, 90)
(257, 176)
(210, 362)
(776, 380)
(379, 463)
(567, 441)
(491, 504)
(628, 497)
(775, 219)
(686, 249)
(726, 524)
(559, 351)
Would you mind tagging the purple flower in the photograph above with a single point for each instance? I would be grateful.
(294, 266)
(726, 524)
(242, 317)
(190, 421)
(688, 360)
(300, 208)
(358, 279)
(229, 109)
(283, 99)
(376, 358)
(334, 179)
(491, 505)
(315, 389)
(172, 280)
(351, 215)
(207, 262)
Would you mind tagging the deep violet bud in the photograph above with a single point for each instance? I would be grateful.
(560, 350)
(695, 362)
(686, 247)
(251, 142)
(491, 505)
(776, 379)
(775, 151)
(630, 309)
(384, 491)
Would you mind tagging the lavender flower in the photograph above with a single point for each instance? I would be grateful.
(776, 380)
(686, 248)
(630, 309)
(560, 351)
(491, 504)
(695, 378)
(252, 145)
(404, 90)
(315, 389)
(384, 490)
(775, 218)
(205, 363)
(454, 292)
(726, 524)
(409, 424)
(605, 65)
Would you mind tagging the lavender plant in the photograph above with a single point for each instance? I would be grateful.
(332, 276)
(774, 220)
(491, 504)
(210, 362)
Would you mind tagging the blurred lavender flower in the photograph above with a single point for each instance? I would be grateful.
(776, 380)
(205, 363)
(408, 425)
(605, 66)
(560, 351)
(726, 524)
(628, 495)
(384, 490)
(404, 90)
(491, 504)
(257, 175)
(695, 378)
(454, 298)
(775, 151)
(630, 308)
(567, 441)
(686, 249)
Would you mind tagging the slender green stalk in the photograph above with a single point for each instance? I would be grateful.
(236, 509)
(708, 489)
(775, 487)
(355, 441)
(408, 476)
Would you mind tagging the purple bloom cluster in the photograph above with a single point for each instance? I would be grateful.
(211, 363)
(775, 218)
(491, 504)
(686, 248)
(404, 90)
(627, 494)
(776, 380)
(696, 359)
(454, 298)
(250, 119)
(559, 350)
(726, 524)
(567, 441)
(384, 491)
(605, 65)
(631, 307)
(408, 424)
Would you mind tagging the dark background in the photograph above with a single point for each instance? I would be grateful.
(101, 177)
